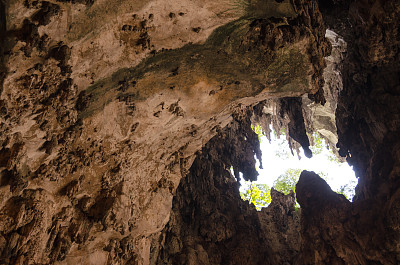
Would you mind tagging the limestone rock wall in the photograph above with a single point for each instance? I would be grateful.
(335, 231)
(210, 224)
(120, 121)
(104, 105)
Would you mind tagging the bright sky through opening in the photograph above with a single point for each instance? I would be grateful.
(337, 174)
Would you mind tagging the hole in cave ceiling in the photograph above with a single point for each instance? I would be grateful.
(281, 169)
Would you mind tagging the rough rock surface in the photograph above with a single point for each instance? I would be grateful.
(366, 231)
(210, 224)
(321, 118)
(104, 105)
(120, 120)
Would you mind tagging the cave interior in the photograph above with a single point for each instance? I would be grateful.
(121, 120)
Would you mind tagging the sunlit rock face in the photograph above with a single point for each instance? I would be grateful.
(333, 230)
(321, 117)
(104, 105)
(120, 121)
(210, 224)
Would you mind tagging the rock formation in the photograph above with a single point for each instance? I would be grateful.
(120, 121)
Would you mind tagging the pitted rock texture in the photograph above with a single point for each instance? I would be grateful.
(370, 124)
(104, 105)
(335, 231)
(120, 120)
(321, 118)
(209, 222)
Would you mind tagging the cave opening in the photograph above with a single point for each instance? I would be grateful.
(282, 168)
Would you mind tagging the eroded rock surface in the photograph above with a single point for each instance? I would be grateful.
(367, 118)
(210, 224)
(120, 120)
(104, 105)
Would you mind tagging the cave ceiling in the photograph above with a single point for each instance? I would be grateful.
(120, 121)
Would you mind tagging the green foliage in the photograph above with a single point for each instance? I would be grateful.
(258, 130)
(283, 151)
(282, 132)
(323, 175)
(260, 194)
(318, 146)
(333, 158)
(287, 181)
(257, 194)
(347, 190)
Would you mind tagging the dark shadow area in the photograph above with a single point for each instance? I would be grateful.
(210, 224)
